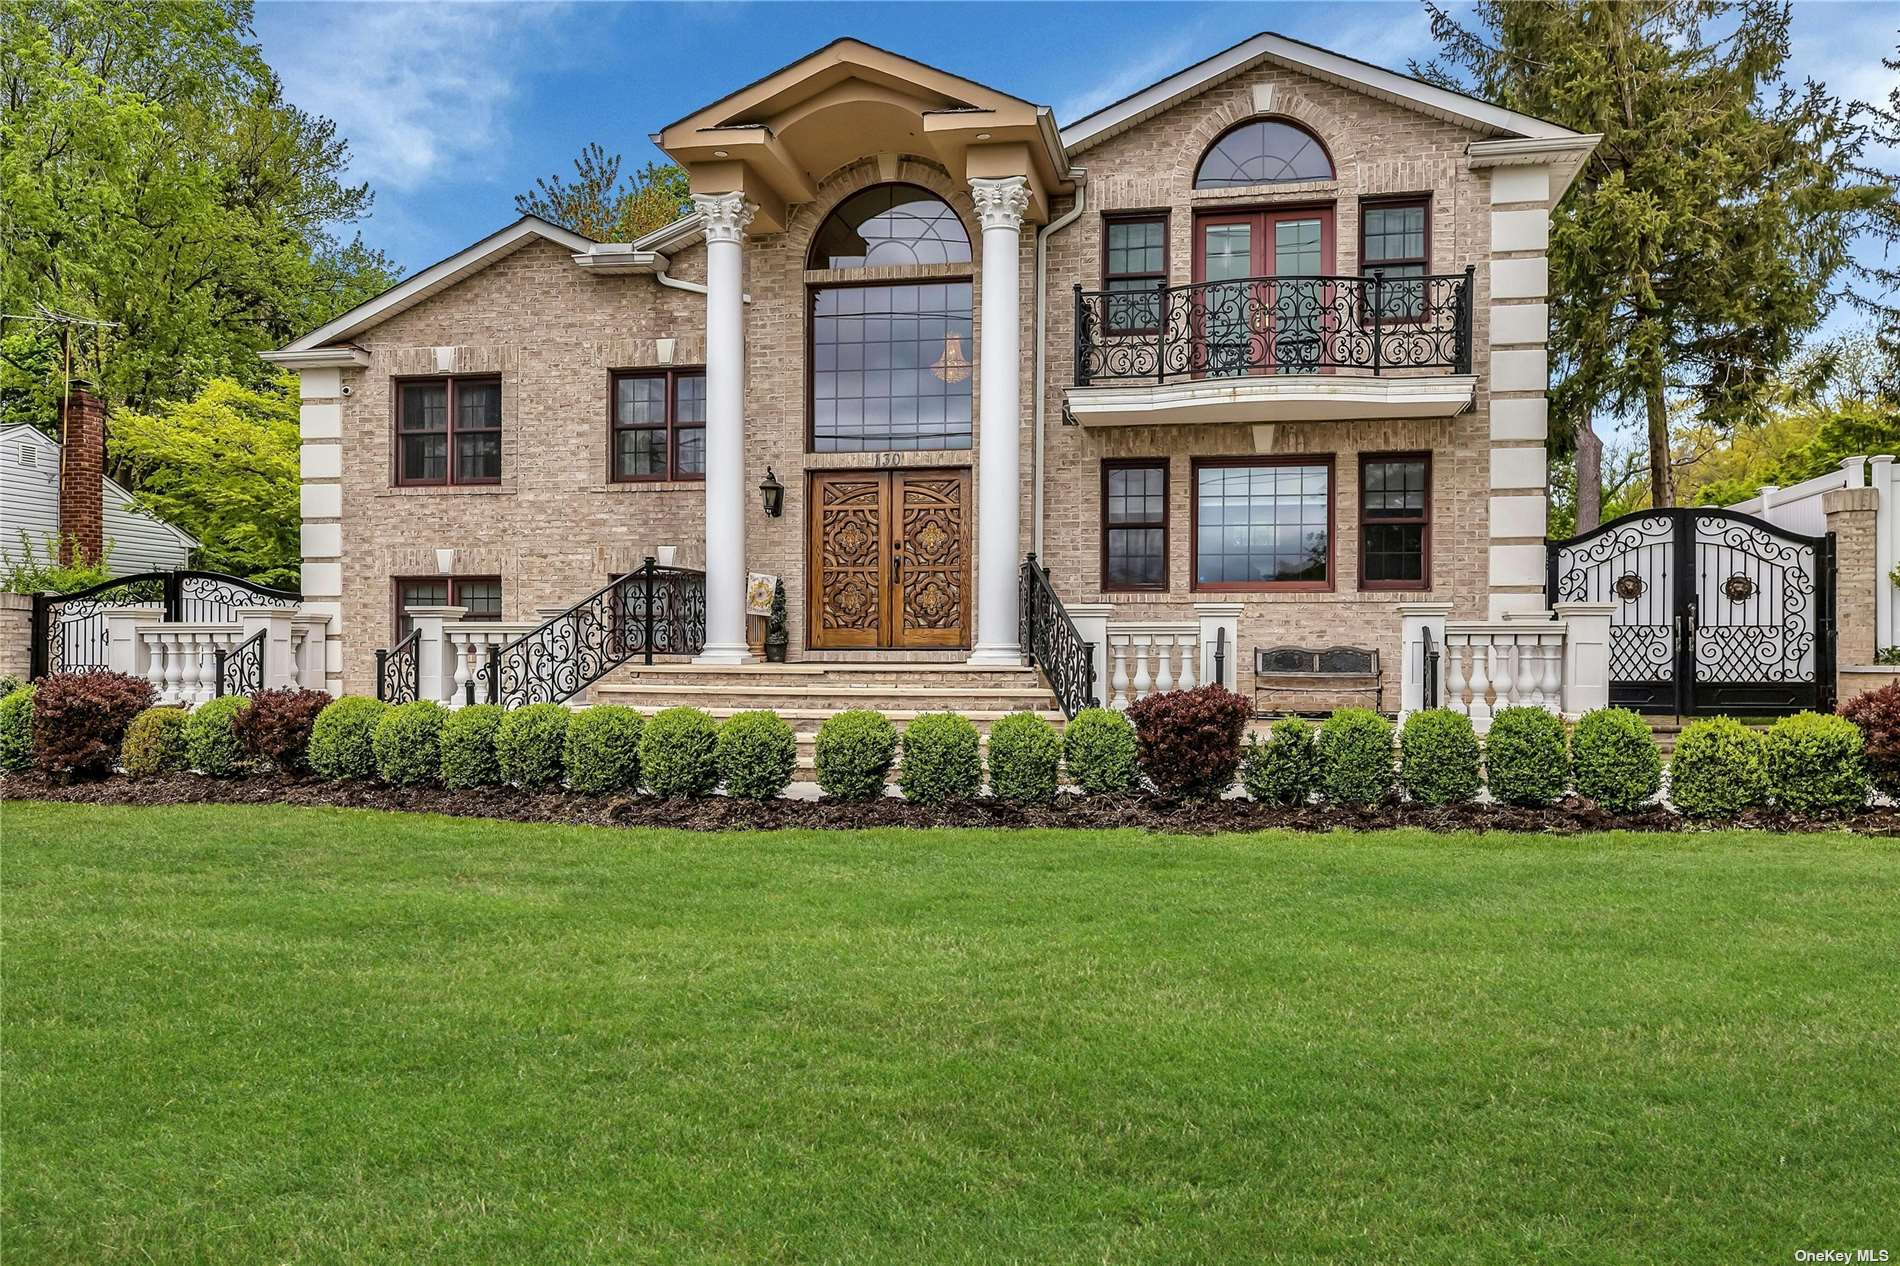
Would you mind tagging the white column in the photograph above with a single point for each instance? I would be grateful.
(724, 217)
(1000, 205)
(1416, 620)
(1885, 550)
(280, 671)
(1518, 373)
(126, 651)
(435, 667)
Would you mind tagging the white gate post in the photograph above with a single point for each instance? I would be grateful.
(1091, 622)
(126, 651)
(1886, 549)
(1214, 617)
(1415, 620)
(280, 666)
(435, 666)
(1586, 655)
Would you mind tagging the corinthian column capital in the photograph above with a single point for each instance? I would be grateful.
(724, 216)
(1000, 202)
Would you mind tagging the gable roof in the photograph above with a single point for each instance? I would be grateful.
(437, 276)
(1348, 72)
(13, 435)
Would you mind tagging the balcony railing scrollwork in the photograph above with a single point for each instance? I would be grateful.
(653, 610)
(1274, 325)
(399, 671)
(1053, 643)
(240, 671)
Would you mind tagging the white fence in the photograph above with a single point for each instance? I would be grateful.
(180, 660)
(1798, 509)
(1558, 661)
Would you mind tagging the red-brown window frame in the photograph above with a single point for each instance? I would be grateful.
(1424, 203)
(1265, 586)
(454, 583)
(450, 381)
(672, 374)
(1109, 220)
(1422, 521)
(1109, 466)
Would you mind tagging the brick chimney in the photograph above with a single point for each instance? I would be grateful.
(82, 473)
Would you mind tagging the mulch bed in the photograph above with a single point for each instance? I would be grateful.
(1144, 812)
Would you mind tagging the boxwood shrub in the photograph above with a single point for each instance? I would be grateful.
(16, 730)
(276, 727)
(529, 744)
(853, 753)
(679, 753)
(1877, 714)
(756, 754)
(211, 741)
(467, 745)
(603, 749)
(1438, 757)
(1025, 753)
(1099, 749)
(1526, 756)
(942, 759)
(1815, 764)
(1284, 768)
(1355, 757)
(1717, 769)
(407, 743)
(1616, 759)
(154, 743)
(340, 738)
(1190, 739)
(79, 719)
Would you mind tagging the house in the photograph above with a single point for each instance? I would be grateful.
(31, 510)
(1252, 358)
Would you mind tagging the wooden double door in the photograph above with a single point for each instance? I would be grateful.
(890, 559)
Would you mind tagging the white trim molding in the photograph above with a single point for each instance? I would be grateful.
(1274, 398)
(318, 358)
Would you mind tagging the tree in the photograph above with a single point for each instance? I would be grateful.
(222, 466)
(153, 176)
(598, 204)
(1704, 236)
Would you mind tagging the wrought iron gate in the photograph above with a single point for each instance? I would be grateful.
(1714, 611)
(69, 630)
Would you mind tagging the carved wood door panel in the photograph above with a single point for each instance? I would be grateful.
(890, 559)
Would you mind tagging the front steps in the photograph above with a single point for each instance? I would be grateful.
(806, 693)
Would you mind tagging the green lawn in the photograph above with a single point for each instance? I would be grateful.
(295, 1035)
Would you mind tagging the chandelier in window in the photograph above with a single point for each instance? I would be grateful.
(953, 365)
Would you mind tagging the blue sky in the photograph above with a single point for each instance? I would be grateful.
(452, 109)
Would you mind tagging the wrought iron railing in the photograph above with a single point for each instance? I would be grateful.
(69, 630)
(240, 671)
(1274, 325)
(652, 611)
(1053, 643)
(399, 671)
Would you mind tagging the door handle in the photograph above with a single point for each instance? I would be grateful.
(897, 566)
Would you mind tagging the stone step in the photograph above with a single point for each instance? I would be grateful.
(806, 720)
(805, 674)
(644, 692)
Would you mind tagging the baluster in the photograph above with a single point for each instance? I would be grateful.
(193, 672)
(1481, 667)
(1190, 651)
(155, 656)
(1551, 678)
(459, 647)
(1144, 684)
(1164, 663)
(1118, 676)
(1528, 671)
(1455, 647)
(174, 668)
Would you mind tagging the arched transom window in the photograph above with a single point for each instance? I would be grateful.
(890, 362)
(1263, 152)
(890, 225)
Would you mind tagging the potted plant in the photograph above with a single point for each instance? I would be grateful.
(775, 635)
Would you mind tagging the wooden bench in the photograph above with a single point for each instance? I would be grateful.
(1339, 672)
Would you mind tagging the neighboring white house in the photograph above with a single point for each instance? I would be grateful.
(29, 504)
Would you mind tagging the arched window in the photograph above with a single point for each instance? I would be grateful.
(890, 225)
(890, 362)
(1263, 152)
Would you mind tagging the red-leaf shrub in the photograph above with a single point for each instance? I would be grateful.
(1877, 713)
(79, 719)
(1190, 739)
(276, 727)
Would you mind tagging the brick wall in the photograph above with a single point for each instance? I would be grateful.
(16, 635)
(1852, 516)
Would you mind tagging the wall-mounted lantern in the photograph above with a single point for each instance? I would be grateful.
(772, 493)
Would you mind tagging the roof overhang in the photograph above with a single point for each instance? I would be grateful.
(318, 358)
(1348, 72)
(1273, 398)
(1564, 155)
(777, 139)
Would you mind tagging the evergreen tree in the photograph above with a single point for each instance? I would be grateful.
(598, 204)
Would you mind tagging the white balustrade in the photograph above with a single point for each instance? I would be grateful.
(468, 643)
(1150, 659)
(182, 659)
(1507, 664)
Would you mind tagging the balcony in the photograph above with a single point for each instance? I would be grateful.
(1274, 349)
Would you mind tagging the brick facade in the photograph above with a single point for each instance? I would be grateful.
(555, 527)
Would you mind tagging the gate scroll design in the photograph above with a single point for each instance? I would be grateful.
(1711, 610)
(70, 634)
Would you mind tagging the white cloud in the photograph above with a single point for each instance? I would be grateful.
(416, 88)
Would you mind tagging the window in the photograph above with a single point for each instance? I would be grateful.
(890, 225)
(1395, 502)
(1281, 328)
(448, 431)
(890, 367)
(1263, 524)
(480, 594)
(1135, 525)
(659, 425)
(1395, 241)
(1263, 152)
(1134, 262)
